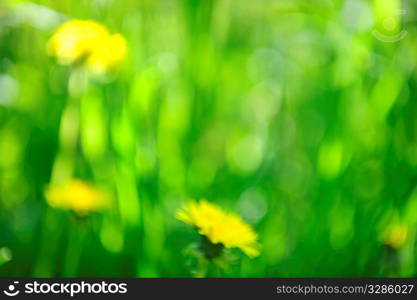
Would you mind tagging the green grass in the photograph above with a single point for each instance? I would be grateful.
(292, 113)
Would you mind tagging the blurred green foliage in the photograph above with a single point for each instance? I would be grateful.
(299, 115)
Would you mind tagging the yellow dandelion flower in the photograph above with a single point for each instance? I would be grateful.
(88, 42)
(220, 227)
(75, 39)
(396, 235)
(108, 54)
(76, 195)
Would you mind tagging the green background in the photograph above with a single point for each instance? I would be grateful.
(299, 115)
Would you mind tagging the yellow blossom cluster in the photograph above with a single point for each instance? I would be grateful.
(89, 43)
